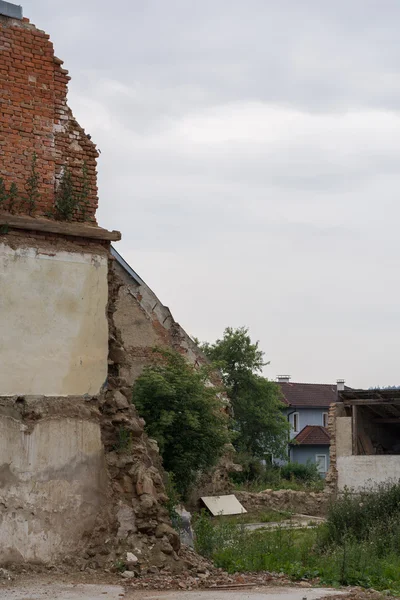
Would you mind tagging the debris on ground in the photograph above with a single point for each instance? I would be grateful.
(361, 594)
(201, 574)
(5, 575)
(195, 581)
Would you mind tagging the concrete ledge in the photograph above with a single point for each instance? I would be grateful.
(60, 227)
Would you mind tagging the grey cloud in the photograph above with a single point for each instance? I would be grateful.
(302, 53)
(249, 156)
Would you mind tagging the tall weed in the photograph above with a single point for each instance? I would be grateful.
(374, 512)
(359, 544)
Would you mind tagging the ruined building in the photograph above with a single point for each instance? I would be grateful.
(76, 329)
(365, 450)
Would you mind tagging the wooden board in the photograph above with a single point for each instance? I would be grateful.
(223, 505)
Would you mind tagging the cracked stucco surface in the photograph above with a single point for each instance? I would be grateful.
(54, 339)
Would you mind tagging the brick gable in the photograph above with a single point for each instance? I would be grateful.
(35, 119)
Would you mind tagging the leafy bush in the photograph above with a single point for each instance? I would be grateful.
(254, 470)
(298, 472)
(257, 476)
(183, 413)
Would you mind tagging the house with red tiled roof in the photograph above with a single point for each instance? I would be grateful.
(307, 409)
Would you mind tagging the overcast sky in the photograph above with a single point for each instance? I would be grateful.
(250, 158)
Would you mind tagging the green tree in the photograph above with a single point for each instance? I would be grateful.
(259, 423)
(183, 413)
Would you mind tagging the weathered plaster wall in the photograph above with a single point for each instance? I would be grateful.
(53, 487)
(54, 332)
(363, 472)
(344, 445)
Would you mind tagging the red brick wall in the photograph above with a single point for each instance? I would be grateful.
(35, 118)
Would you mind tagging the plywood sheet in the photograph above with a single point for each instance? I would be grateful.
(223, 505)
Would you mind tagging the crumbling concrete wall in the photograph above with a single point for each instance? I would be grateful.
(35, 119)
(78, 476)
(79, 479)
(141, 521)
(54, 331)
(53, 481)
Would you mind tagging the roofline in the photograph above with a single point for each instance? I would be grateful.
(293, 441)
(309, 405)
(308, 444)
(126, 267)
(332, 385)
(374, 394)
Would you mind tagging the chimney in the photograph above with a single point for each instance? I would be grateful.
(10, 10)
(283, 378)
(340, 385)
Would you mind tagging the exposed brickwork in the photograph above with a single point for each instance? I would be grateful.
(331, 476)
(35, 118)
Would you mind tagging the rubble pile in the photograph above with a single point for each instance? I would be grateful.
(194, 580)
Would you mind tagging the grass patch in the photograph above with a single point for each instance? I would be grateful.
(359, 544)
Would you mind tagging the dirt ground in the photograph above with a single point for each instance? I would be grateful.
(60, 591)
(108, 586)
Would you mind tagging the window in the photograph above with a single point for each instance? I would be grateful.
(325, 419)
(296, 422)
(320, 460)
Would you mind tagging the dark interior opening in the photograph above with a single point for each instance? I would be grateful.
(378, 429)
